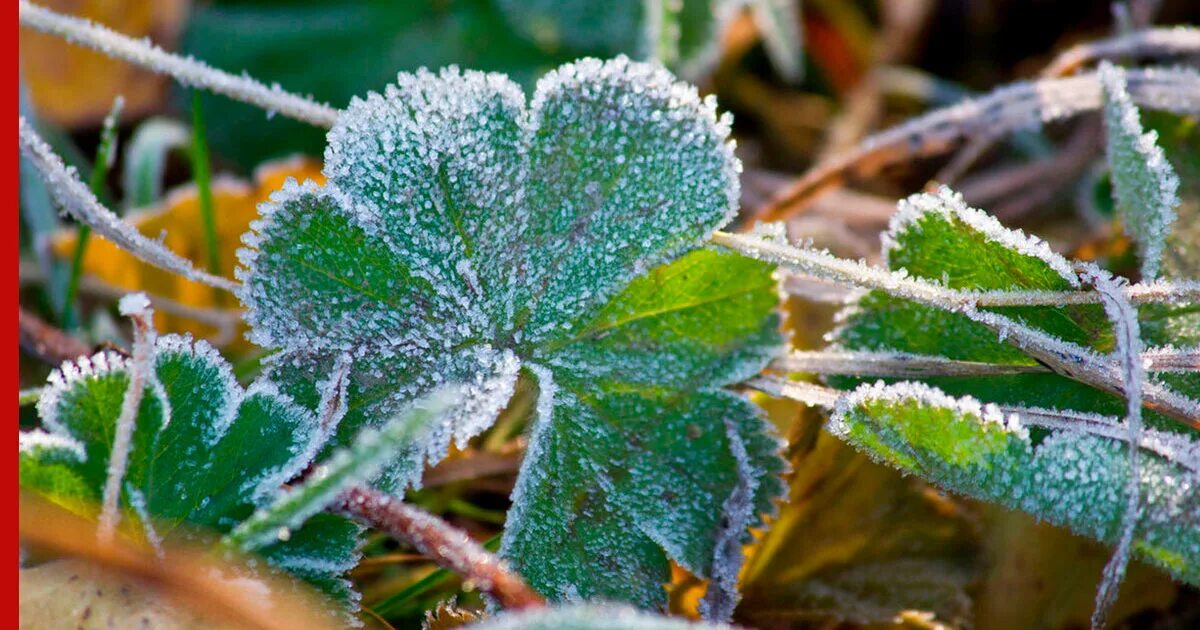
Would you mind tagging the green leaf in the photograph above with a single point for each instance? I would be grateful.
(939, 238)
(464, 236)
(205, 453)
(1145, 187)
(588, 617)
(1069, 478)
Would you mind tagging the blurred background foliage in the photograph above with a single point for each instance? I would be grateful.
(857, 545)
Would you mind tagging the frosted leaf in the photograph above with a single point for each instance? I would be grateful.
(1145, 187)
(203, 452)
(463, 236)
(593, 522)
(1071, 478)
(589, 617)
(940, 239)
(658, 178)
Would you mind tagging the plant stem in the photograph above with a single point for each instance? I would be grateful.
(446, 545)
(75, 198)
(202, 175)
(137, 307)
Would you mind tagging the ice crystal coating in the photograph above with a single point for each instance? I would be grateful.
(589, 617)
(1145, 187)
(203, 453)
(464, 237)
(1070, 478)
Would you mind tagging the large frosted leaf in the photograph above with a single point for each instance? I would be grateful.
(1069, 478)
(463, 237)
(1145, 187)
(205, 453)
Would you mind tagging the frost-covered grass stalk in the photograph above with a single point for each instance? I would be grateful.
(73, 196)
(137, 308)
(825, 266)
(1128, 353)
(1014, 107)
(1151, 42)
(184, 69)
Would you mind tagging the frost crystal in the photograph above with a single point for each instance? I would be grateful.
(1145, 187)
(463, 235)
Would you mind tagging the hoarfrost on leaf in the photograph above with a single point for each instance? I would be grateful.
(1145, 187)
(464, 236)
(203, 453)
(1071, 478)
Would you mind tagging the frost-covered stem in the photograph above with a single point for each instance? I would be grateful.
(447, 546)
(1083, 365)
(1128, 353)
(186, 70)
(1173, 447)
(1171, 359)
(74, 196)
(894, 364)
(906, 365)
(800, 391)
(824, 266)
(137, 308)
(1013, 107)
(1154, 42)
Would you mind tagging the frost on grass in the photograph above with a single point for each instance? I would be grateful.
(1070, 478)
(1145, 187)
(202, 454)
(1128, 355)
(464, 236)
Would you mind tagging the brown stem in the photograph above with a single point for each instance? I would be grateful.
(446, 545)
(46, 342)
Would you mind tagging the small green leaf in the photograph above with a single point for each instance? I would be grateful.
(463, 236)
(1145, 187)
(205, 453)
(1070, 478)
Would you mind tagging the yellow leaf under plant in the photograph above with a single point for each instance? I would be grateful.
(178, 223)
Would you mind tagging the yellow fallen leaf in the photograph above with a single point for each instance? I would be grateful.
(73, 86)
(177, 221)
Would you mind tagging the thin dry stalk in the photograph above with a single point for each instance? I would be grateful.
(447, 546)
